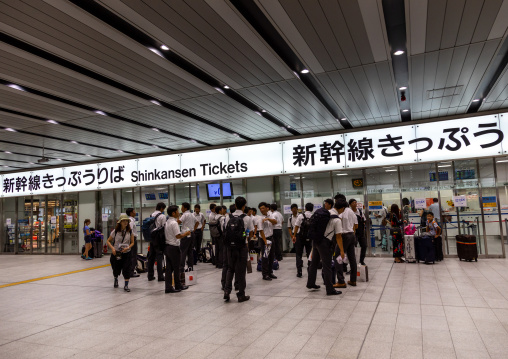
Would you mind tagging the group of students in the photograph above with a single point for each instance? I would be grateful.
(234, 234)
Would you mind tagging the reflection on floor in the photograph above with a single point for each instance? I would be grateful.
(449, 310)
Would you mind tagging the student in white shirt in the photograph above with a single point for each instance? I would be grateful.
(292, 220)
(265, 227)
(134, 256)
(237, 253)
(198, 233)
(277, 231)
(300, 238)
(156, 253)
(189, 223)
(361, 237)
(349, 226)
(172, 251)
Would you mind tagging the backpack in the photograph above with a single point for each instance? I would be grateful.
(148, 226)
(410, 229)
(304, 228)
(235, 231)
(423, 219)
(275, 265)
(214, 226)
(318, 223)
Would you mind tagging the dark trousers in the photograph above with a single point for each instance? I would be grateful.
(122, 265)
(362, 241)
(300, 244)
(198, 240)
(225, 265)
(267, 262)
(220, 256)
(277, 243)
(186, 245)
(237, 267)
(348, 242)
(321, 252)
(172, 266)
(155, 254)
(134, 256)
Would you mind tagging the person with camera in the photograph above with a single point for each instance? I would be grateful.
(120, 242)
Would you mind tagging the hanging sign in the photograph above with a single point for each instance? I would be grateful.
(489, 201)
(460, 201)
(420, 203)
(375, 205)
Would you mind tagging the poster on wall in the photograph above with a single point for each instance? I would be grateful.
(68, 218)
(489, 202)
(8, 221)
(420, 203)
(460, 201)
(287, 209)
(105, 217)
(53, 219)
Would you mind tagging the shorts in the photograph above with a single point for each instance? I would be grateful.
(88, 239)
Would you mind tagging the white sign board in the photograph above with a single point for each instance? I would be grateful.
(105, 217)
(53, 219)
(287, 209)
(460, 201)
(480, 136)
(8, 221)
(420, 203)
(68, 218)
(317, 206)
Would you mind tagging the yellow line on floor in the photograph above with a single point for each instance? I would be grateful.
(53, 276)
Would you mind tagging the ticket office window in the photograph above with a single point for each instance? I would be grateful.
(39, 234)
(448, 215)
(9, 219)
(502, 191)
(208, 193)
(290, 192)
(490, 223)
(382, 192)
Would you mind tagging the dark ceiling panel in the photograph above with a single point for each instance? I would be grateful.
(454, 9)
(469, 19)
(436, 10)
(486, 20)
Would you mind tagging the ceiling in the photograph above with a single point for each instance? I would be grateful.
(232, 71)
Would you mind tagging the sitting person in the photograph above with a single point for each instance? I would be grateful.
(432, 225)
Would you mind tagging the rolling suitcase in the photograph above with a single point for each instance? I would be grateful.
(425, 250)
(438, 248)
(409, 248)
(97, 248)
(466, 247)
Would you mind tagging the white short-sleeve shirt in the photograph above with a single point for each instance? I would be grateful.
(334, 225)
(188, 221)
(171, 230)
(349, 220)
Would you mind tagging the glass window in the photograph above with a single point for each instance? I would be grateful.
(70, 220)
(9, 220)
(290, 192)
(39, 243)
(54, 221)
(24, 225)
(502, 186)
(316, 188)
(350, 184)
(489, 207)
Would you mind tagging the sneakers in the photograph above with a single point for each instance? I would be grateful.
(126, 288)
(340, 285)
(352, 284)
(116, 283)
(135, 275)
(183, 287)
(88, 258)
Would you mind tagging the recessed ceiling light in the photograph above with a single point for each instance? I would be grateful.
(398, 52)
(444, 166)
(52, 122)
(193, 141)
(102, 113)
(226, 87)
(155, 146)
(390, 170)
(8, 152)
(58, 159)
(258, 113)
(476, 100)
(6, 166)
(155, 102)
(405, 110)
(31, 163)
(88, 155)
(298, 76)
(164, 47)
(9, 129)
(155, 51)
(288, 126)
(402, 88)
(304, 71)
(219, 89)
(75, 142)
(263, 110)
(155, 129)
(120, 151)
(236, 135)
(16, 87)
(341, 174)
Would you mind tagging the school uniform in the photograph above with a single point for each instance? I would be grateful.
(321, 252)
(237, 259)
(224, 252)
(277, 234)
(156, 253)
(267, 261)
(134, 250)
(301, 242)
(349, 220)
(186, 244)
(219, 247)
(198, 233)
(173, 254)
(121, 263)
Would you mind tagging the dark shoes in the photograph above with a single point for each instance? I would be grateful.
(243, 298)
(116, 283)
(362, 263)
(299, 273)
(335, 292)
(272, 276)
(151, 278)
(126, 288)
(172, 290)
(314, 287)
(352, 284)
(161, 279)
(184, 287)
(226, 296)
(267, 278)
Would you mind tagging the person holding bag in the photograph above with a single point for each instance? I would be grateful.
(88, 239)
(396, 232)
(120, 242)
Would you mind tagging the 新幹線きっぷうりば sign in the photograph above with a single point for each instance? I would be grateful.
(443, 140)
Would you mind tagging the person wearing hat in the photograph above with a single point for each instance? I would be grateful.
(120, 242)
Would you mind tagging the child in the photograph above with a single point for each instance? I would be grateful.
(432, 226)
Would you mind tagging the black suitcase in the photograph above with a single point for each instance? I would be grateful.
(425, 250)
(97, 248)
(466, 247)
(90, 251)
(438, 248)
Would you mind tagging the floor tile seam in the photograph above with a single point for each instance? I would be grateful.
(275, 347)
(372, 319)
(57, 326)
(505, 296)
(478, 331)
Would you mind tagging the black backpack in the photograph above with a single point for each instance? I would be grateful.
(148, 226)
(423, 219)
(304, 228)
(318, 223)
(235, 231)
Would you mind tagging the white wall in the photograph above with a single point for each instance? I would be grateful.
(86, 210)
(259, 190)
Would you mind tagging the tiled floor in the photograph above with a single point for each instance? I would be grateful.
(449, 310)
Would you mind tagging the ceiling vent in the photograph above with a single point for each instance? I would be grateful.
(444, 92)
